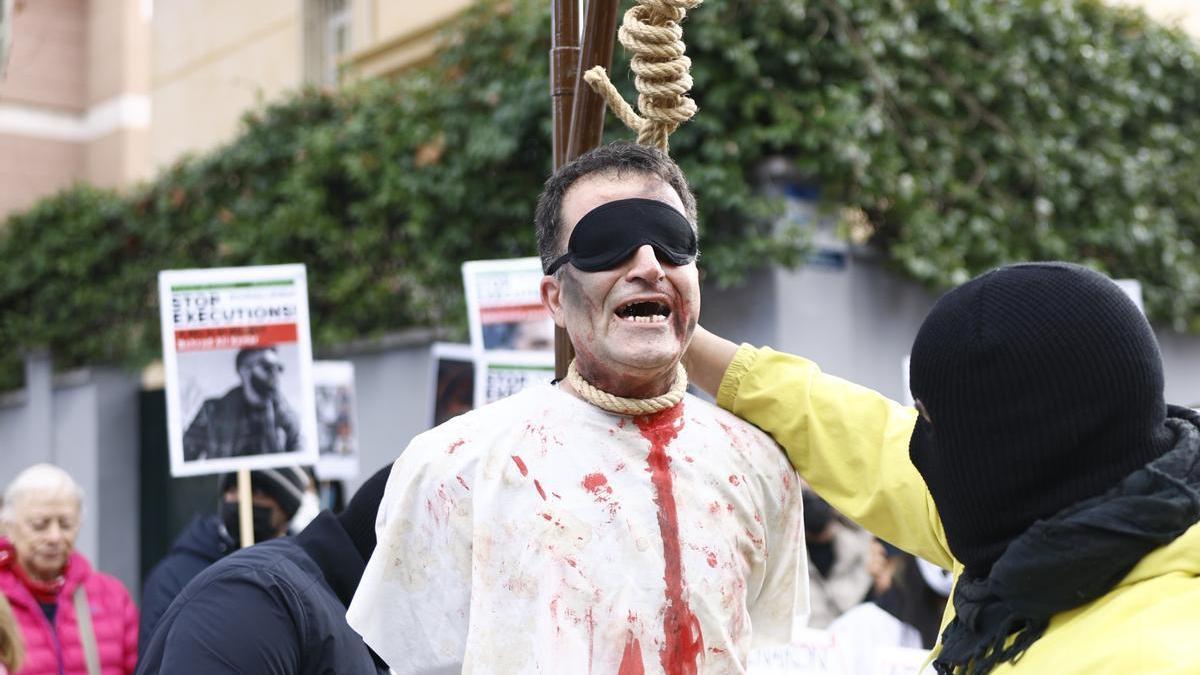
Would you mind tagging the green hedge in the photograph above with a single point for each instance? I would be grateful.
(953, 135)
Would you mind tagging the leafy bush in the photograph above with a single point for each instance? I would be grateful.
(954, 136)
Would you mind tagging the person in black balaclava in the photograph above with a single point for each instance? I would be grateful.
(277, 495)
(1044, 467)
(279, 607)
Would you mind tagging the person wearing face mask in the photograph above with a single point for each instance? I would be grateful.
(73, 619)
(252, 418)
(277, 497)
(1041, 463)
(838, 578)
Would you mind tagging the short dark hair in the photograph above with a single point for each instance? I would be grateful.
(243, 354)
(621, 157)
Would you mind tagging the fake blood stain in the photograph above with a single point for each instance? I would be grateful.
(520, 465)
(631, 660)
(681, 629)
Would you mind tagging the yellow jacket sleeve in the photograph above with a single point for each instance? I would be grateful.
(850, 443)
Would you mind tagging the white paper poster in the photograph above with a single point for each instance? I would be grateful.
(337, 420)
(452, 381)
(504, 306)
(237, 358)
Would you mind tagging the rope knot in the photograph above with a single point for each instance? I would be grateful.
(628, 406)
(651, 30)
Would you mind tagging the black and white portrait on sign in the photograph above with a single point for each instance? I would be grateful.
(246, 409)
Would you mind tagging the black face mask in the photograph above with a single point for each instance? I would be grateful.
(607, 235)
(263, 529)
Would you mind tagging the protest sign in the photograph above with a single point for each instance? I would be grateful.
(237, 360)
(505, 375)
(452, 381)
(819, 652)
(337, 421)
(504, 306)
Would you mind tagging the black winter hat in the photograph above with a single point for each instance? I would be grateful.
(1044, 385)
(358, 518)
(285, 485)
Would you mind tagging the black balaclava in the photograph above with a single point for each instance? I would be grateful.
(1044, 385)
(358, 518)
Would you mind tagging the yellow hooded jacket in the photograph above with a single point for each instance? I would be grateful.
(851, 444)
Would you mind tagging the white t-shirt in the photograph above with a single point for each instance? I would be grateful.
(541, 534)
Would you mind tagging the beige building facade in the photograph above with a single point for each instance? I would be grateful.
(112, 91)
(74, 104)
(217, 59)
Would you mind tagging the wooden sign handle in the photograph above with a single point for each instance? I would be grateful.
(245, 508)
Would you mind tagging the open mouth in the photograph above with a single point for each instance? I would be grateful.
(644, 311)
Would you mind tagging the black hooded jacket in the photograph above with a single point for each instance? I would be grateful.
(272, 609)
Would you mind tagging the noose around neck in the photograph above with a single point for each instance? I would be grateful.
(628, 406)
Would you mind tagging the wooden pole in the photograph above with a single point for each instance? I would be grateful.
(564, 68)
(585, 119)
(245, 508)
(564, 72)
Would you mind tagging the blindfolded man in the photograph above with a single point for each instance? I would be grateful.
(610, 523)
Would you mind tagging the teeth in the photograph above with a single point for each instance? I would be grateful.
(657, 318)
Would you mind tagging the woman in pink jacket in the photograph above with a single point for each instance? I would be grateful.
(46, 581)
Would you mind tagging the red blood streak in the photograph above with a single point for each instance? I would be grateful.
(594, 482)
(541, 492)
(683, 643)
(734, 480)
(631, 660)
(712, 559)
(454, 446)
(520, 465)
(463, 483)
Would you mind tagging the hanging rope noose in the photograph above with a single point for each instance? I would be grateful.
(651, 30)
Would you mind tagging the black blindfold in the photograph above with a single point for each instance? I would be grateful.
(607, 235)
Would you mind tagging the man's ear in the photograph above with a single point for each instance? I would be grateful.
(551, 291)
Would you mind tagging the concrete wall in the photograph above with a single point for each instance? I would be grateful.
(214, 61)
(394, 395)
(859, 323)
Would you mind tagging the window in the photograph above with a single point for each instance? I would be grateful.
(326, 39)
